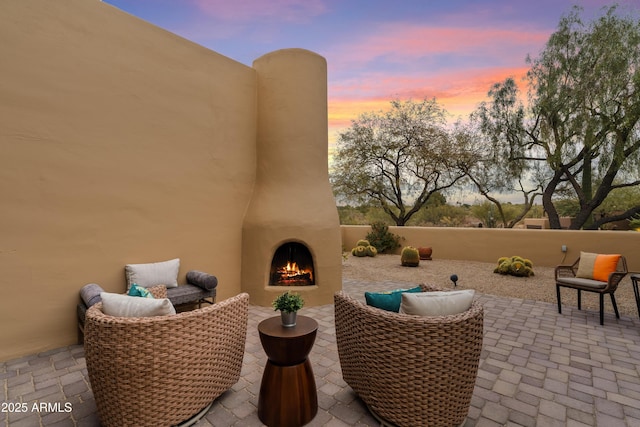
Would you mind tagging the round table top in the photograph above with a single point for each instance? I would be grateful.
(273, 327)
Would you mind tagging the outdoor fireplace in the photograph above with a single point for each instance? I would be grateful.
(292, 265)
(291, 238)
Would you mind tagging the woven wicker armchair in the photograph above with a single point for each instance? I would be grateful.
(161, 371)
(409, 370)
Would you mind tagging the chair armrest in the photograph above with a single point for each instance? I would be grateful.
(615, 278)
(564, 271)
(202, 280)
(90, 294)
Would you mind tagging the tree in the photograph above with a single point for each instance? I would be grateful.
(492, 173)
(487, 213)
(582, 123)
(397, 159)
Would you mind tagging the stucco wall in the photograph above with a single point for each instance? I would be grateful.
(543, 247)
(119, 143)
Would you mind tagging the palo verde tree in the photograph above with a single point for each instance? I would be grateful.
(492, 175)
(582, 122)
(397, 159)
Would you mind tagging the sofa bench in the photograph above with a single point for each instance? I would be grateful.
(200, 288)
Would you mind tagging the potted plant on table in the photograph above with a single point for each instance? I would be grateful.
(288, 303)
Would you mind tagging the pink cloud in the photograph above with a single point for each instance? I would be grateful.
(401, 42)
(395, 61)
(249, 10)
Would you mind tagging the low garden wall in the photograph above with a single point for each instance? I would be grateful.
(542, 247)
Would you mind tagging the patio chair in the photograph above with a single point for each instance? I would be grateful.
(591, 272)
(409, 370)
(163, 370)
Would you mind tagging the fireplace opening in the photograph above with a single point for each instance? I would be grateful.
(292, 265)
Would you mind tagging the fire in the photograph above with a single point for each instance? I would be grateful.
(292, 267)
(292, 270)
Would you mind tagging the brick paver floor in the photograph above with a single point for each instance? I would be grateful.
(538, 368)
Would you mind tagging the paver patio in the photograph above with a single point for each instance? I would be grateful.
(538, 368)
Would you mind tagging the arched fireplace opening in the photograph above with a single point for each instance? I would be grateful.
(292, 265)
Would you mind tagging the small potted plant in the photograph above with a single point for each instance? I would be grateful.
(288, 304)
(634, 223)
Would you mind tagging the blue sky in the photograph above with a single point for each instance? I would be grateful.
(377, 50)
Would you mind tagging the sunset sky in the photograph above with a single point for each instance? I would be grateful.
(378, 50)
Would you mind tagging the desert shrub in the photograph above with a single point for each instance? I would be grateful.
(382, 238)
(514, 266)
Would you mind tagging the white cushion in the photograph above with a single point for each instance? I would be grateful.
(436, 303)
(152, 274)
(126, 306)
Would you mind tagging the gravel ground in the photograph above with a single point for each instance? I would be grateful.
(480, 276)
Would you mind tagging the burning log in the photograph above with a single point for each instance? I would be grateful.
(291, 275)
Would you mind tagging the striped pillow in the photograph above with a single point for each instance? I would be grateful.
(597, 266)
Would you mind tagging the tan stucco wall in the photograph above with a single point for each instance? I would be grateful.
(119, 143)
(543, 247)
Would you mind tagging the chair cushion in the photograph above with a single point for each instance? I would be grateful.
(126, 306)
(390, 300)
(437, 303)
(152, 274)
(188, 294)
(582, 283)
(597, 266)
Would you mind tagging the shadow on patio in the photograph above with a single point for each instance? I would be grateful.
(537, 368)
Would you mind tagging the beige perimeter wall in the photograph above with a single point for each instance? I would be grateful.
(119, 143)
(542, 247)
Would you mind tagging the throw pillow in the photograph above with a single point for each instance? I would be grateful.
(126, 306)
(151, 274)
(597, 266)
(437, 303)
(138, 291)
(390, 300)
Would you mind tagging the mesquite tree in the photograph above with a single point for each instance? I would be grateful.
(397, 159)
(492, 175)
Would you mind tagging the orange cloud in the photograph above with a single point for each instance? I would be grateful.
(455, 65)
(459, 92)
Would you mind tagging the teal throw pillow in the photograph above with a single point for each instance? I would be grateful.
(390, 300)
(139, 291)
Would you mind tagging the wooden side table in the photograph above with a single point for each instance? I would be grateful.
(288, 396)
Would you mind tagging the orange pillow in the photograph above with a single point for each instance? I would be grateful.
(597, 266)
(605, 265)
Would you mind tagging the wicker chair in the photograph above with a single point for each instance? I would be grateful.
(161, 371)
(409, 370)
